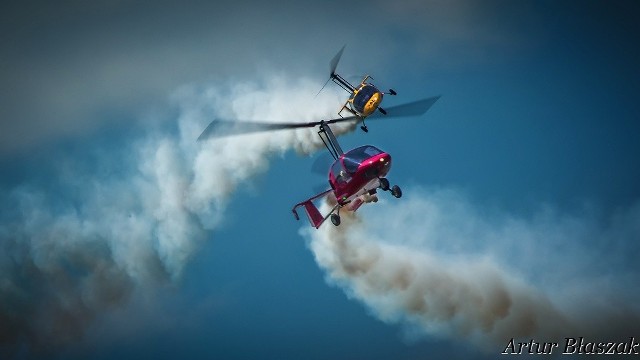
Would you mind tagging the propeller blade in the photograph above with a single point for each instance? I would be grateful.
(222, 128)
(335, 60)
(332, 66)
(322, 88)
(414, 108)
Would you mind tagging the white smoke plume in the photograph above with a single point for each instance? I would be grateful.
(431, 261)
(71, 253)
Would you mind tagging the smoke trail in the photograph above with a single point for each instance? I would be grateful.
(434, 263)
(70, 253)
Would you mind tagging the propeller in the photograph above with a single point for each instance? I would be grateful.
(333, 65)
(336, 59)
(220, 128)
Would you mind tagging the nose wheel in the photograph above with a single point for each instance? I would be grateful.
(384, 184)
(395, 189)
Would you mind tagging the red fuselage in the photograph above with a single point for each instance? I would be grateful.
(357, 172)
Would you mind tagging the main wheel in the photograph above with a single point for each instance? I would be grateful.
(396, 191)
(384, 184)
(335, 219)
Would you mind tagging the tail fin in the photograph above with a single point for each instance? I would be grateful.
(315, 217)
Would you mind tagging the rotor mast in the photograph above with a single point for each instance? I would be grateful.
(329, 140)
(342, 82)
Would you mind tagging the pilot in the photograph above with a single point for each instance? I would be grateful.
(342, 176)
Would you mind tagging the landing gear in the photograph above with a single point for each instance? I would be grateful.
(392, 92)
(383, 111)
(335, 219)
(364, 126)
(384, 184)
(396, 191)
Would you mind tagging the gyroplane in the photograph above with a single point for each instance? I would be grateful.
(355, 176)
(365, 98)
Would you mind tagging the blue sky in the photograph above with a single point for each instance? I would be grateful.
(122, 237)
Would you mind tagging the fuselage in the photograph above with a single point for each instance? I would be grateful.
(365, 99)
(357, 172)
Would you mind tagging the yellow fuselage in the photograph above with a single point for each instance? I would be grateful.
(365, 100)
(372, 104)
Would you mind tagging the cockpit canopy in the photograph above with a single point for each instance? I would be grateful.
(363, 95)
(357, 156)
(344, 168)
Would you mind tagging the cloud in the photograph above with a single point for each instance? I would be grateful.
(436, 262)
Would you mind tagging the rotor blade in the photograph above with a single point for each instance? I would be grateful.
(342, 119)
(414, 108)
(222, 128)
(335, 60)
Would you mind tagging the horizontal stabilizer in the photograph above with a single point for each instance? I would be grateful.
(315, 217)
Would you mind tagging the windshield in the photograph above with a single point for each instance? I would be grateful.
(339, 173)
(355, 157)
(362, 97)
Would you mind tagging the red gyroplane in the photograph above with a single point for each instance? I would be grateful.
(356, 175)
